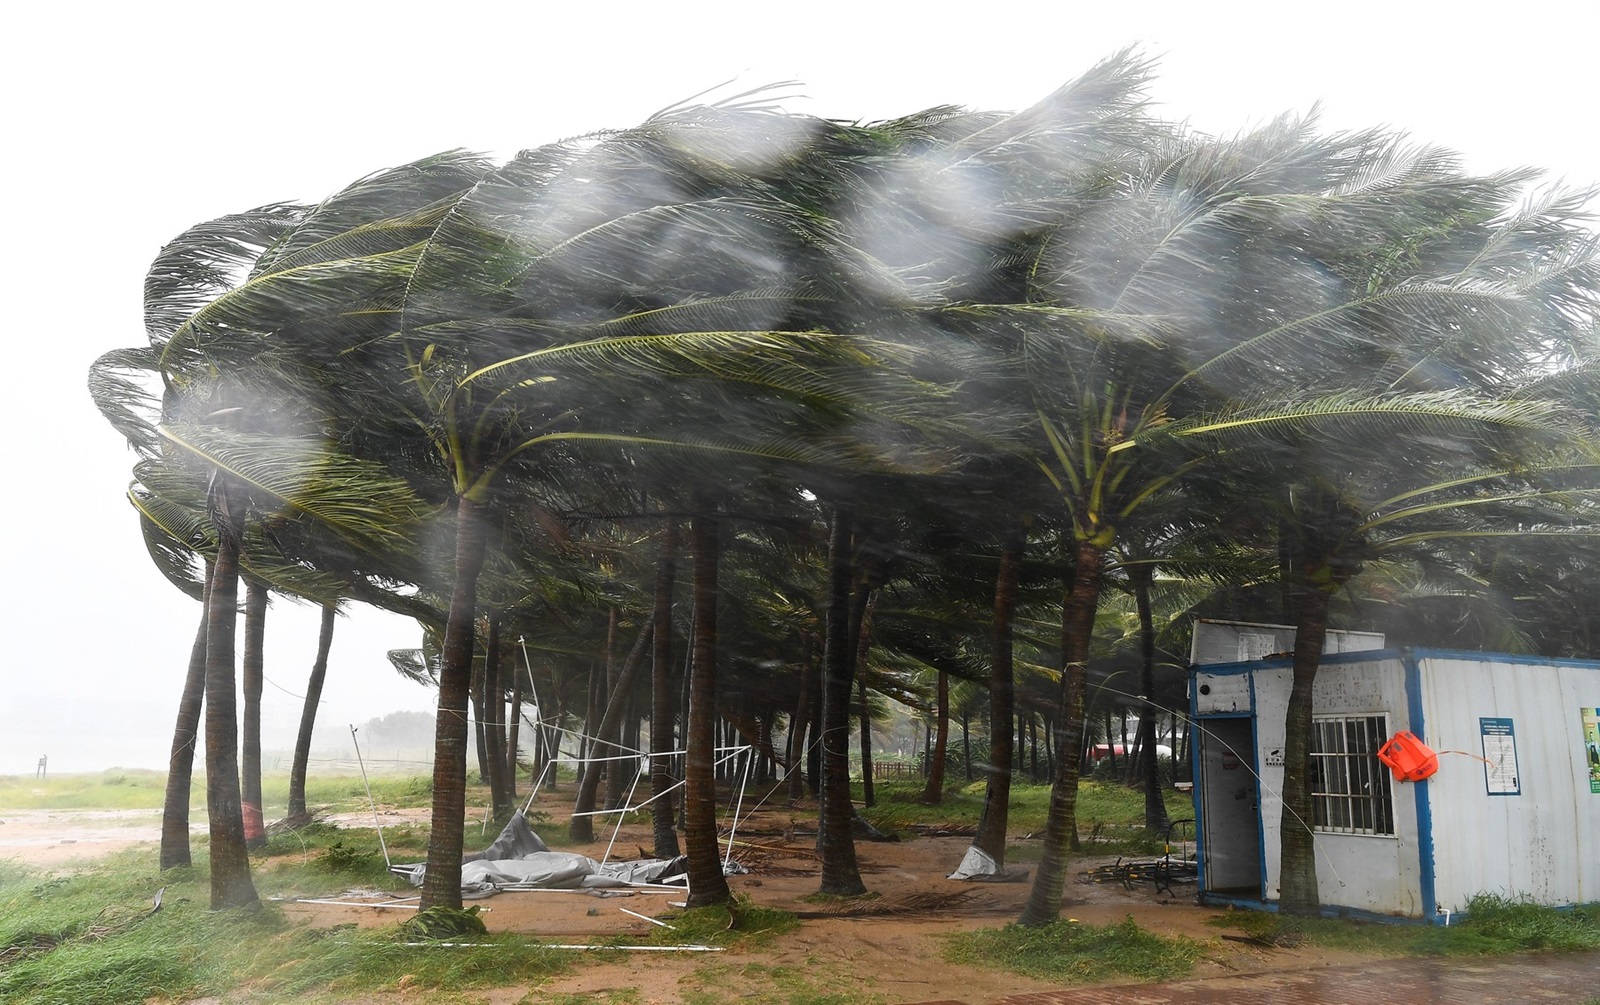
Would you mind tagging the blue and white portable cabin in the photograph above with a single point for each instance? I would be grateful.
(1513, 810)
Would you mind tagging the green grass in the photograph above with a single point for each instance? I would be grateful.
(610, 996)
(1110, 815)
(753, 927)
(1073, 952)
(141, 789)
(91, 938)
(114, 789)
(1491, 925)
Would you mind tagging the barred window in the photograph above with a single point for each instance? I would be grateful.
(1349, 787)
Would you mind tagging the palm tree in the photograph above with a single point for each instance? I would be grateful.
(180, 765)
(252, 681)
(1260, 266)
(662, 703)
(840, 874)
(296, 815)
(1424, 494)
(707, 884)
(230, 865)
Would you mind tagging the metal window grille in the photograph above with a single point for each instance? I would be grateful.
(1349, 787)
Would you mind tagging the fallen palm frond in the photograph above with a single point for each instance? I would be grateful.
(929, 902)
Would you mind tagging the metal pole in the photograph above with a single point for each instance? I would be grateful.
(370, 801)
(749, 756)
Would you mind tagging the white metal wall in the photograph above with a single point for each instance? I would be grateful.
(1543, 843)
(1380, 874)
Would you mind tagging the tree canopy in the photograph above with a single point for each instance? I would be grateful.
(858, 360)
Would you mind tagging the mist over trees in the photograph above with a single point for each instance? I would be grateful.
(405, 730)
(814, 414)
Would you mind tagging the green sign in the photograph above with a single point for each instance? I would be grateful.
(1591, 745)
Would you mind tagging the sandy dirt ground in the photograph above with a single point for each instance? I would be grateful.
(57, 838)
(887, 945)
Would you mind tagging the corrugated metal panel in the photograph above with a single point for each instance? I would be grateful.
(1217, 642)
(1543, 841)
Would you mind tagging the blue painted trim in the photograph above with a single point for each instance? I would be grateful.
(1226, 669)
(1195, 740)
(1415, 722)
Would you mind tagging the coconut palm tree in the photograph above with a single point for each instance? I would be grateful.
(296, 814)
(1422, 497)
(1233, 271)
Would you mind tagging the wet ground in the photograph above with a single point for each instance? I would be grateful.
(1567, 978)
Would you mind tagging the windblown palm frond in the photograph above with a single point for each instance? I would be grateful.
(1451, 421)
(354, 499)
(206, 261)
(132, 406)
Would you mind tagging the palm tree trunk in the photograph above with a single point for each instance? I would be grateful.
(840, 874)
(861, 619)
(934, 792)
(1127, 751)
(1297, 879)
(605, 744)
(868, 796)
(966, 741)
(764, 761)
(494, 708)
(231, 885)
(1033, 746)
(297, 816)
(1077, 627)
(707, 884)
(252, 672)
(1155, 808)
(514, 729)
(442, 885)
(661, 696)
(800, 723)
(180, 765)
(617, 696)
(580, 826)
(991, 836)
(479, 700)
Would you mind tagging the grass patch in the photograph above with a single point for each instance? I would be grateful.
(760, 984)
(1076, 953)
(91, 938)
(1110, 815)
(1492, 925)
(752, 926)
(1496, 925)
(610, 996)
(113, 789)
(142, 789)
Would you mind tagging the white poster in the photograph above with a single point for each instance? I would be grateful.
(1499, 757)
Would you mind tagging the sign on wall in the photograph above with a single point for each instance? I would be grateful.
(1591, 745)
(1499, 757)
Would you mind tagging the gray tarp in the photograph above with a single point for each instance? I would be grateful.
(518, 859)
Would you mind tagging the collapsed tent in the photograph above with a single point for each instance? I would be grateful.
(519, 860)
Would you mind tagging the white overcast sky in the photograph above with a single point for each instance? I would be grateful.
(126, 123)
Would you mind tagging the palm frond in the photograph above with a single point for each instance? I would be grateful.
(354, 499)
